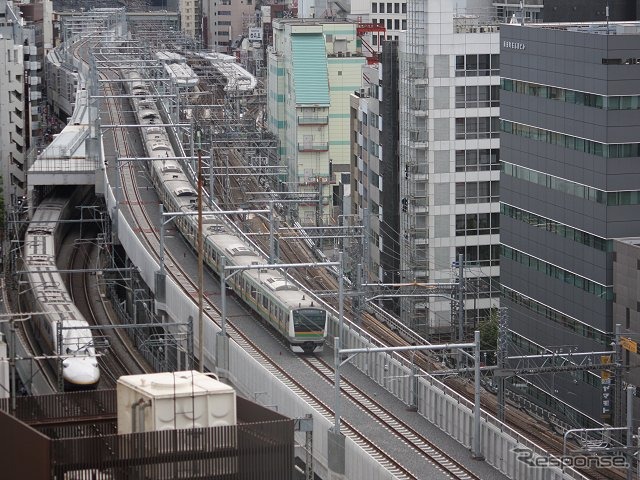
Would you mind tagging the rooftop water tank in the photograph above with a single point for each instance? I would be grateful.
(174, 400)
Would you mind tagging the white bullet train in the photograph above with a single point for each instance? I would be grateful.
(269, 292)
(47, 294)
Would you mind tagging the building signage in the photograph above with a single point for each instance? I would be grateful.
(513, 45)
(605, 377)
(255, 34)
(629, 344)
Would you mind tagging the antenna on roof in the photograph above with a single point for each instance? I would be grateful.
(606, 13)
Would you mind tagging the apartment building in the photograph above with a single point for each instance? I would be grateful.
(313, 67)
(375, 166)
(20, 97)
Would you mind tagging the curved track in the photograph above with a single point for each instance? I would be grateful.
(147, 230)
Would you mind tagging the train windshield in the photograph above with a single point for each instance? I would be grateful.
(309, 320)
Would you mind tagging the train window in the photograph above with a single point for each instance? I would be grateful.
(265, 301)
(309, 319)
(253, 291)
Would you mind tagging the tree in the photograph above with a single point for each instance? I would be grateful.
(489, 336)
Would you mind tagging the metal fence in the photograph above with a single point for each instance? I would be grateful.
(260, 447)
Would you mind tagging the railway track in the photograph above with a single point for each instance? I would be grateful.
(121, 358)
(148, 231)
(321, 280)
(400, 428)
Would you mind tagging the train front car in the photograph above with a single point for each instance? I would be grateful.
(306, 326)
(49, 296)
(80, 369)
(307, 329)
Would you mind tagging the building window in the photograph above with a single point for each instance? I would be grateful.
(557, 317)
(607, 150)
(382, 8)
(477, 160)
(396, 8)
(483, 255)
(557, 273)
(481, 65)
(566, 186)
(477, 224)
(404, 7)
(396, 24)
(557, 228)
(374, 8)
(478, 96)
(477, 192)
(616, 102)
(389, 24)
(477, 127)
(374, 180)
(404, 24)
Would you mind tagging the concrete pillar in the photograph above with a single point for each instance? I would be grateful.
(336, 455)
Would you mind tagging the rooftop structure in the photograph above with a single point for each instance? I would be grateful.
(173, 400)
(53, 433)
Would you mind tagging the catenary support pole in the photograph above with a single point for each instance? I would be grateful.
(630, 456)
(477, 427)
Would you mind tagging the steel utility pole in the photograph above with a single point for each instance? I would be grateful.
(200, 266)
(460, 298)
(501, 356)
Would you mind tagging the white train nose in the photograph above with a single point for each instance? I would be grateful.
(81, 370)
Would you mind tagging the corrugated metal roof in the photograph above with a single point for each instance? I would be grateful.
(310, 77)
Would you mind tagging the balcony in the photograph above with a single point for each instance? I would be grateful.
(317, 120)
(313, 147)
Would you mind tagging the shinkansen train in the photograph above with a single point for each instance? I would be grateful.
(268, 291)
(48, 294)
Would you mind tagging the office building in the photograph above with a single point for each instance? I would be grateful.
(570, 109)
(449, 158)
(225, 22)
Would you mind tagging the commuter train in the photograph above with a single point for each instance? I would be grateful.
(48, 294)
(268, 291)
